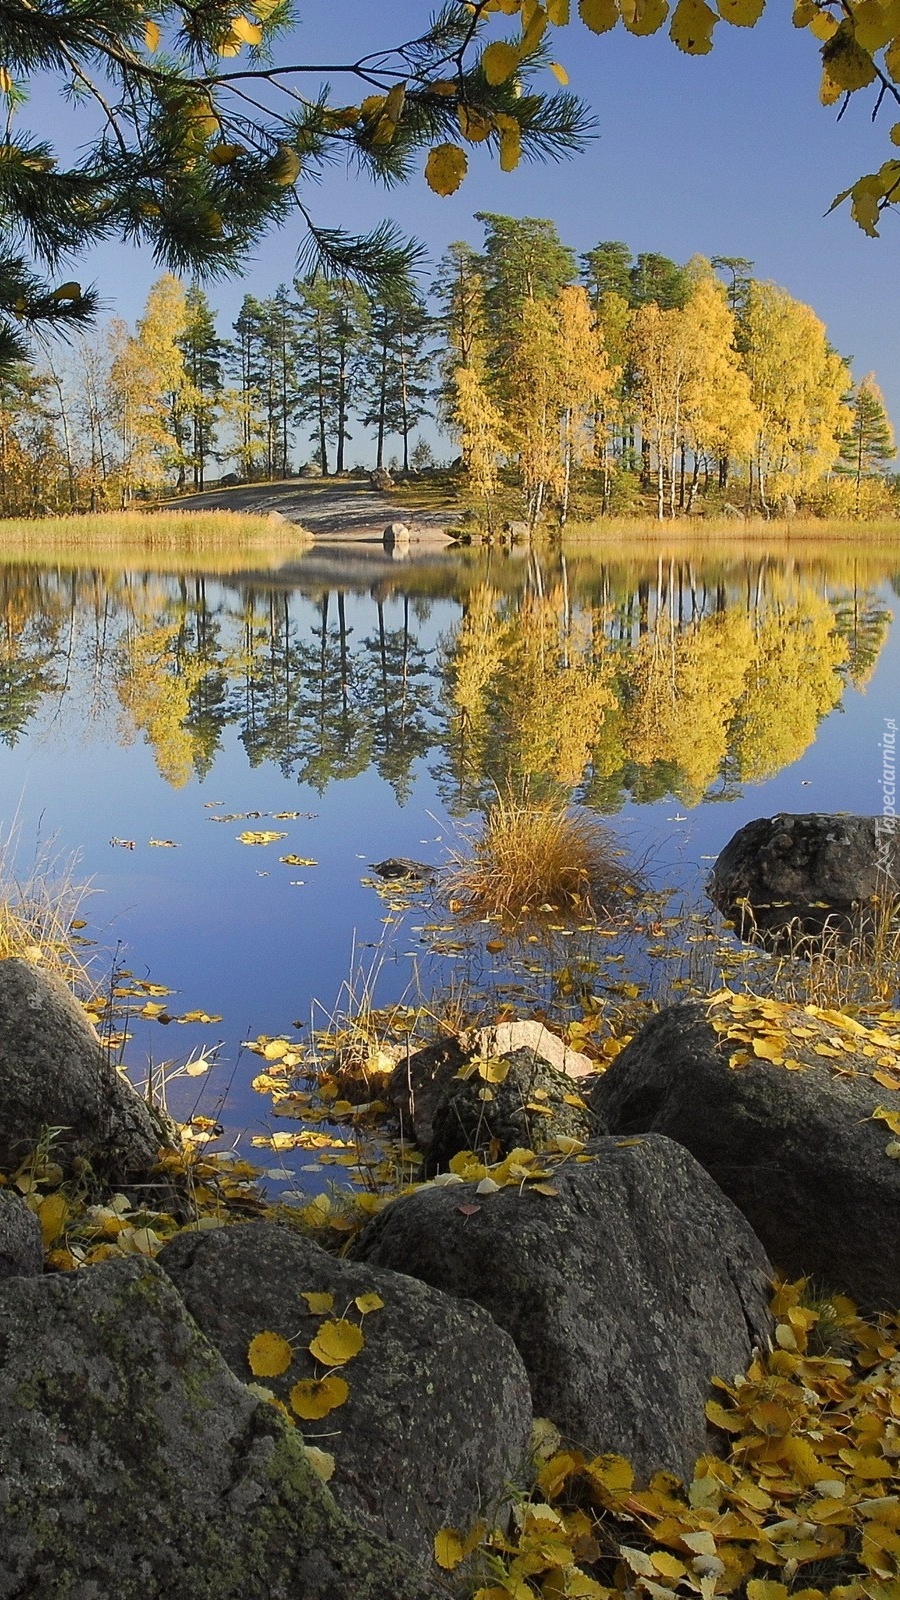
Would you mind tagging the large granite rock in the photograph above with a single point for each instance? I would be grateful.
(21, 1246)
(529, 1106)
(418, 1085)
(438, 1417)
(136, 1465)
(796, 875)
(798, 1149)
(54, 1073)
(625, 1291)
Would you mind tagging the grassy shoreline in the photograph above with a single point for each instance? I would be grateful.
(174, 540)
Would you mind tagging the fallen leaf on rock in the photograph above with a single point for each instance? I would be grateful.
(337, 1342)
(269, 1355)
(318, 1301)
(321, 1461)
(313, 1398)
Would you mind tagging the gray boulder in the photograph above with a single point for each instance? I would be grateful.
(438, 1417)
(798, 874)
(420, 1083)
(625, 1291)
(54, 1073)
(21, 1246)
(530, 1106)
(797, 1150)
(135, 1463)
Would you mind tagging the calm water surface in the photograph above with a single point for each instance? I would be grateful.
(679, 696)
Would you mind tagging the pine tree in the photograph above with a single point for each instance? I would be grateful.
(397, 367)
(203, 352)
(869, 441)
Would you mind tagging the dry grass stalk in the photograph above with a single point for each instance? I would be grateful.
(37, 913)
(530, 859)
(174, 540)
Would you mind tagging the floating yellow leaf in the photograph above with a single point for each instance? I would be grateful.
(264, 837)
(269, 1355)
(445, 168)
(313, 1398)
(337, 1342)
(298, 861)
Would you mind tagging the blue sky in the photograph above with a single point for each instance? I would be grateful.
(727, 154)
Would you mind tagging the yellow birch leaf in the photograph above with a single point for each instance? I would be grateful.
(269, 1355)
(804, 12)
(692, 26)
(393, 105)
(283, 169)
(769, 1047)
(510, 148)
(667, 1565)
(321, 1461)
(448, 1548)
(558, 12)
(847, 63)
(534, 32)
(222, 155)
(741, 13)
(823, 25)
(473, 126)
(729, 1421)
(52, 1215)
(874, 25)
(499, 61)
(337, 1342)
(313, 1398)
(598, 15)
(368, 1302)
(892, 60)
(151, 35)
(885, 1114)
(829, 93)
(644, 17)
(245, 30)
(765, 1589)
(68, 291)
(319, 1303)
(559, 72)
(445, 168)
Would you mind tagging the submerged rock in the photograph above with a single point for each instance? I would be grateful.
(438, 1416)
(54, 1073)
(796, 1147)
(136, 1465)
(626, 1289)
(794, 876)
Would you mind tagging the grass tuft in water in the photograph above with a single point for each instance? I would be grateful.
(530, 859)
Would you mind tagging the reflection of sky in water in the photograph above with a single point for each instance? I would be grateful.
(232, 929)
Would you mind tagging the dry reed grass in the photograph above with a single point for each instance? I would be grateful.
(37, 912)
(173, 540)
(530, 859)
(752, 531)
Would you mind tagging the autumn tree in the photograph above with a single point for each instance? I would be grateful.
(798, 384)
(869, 441)
(152, 392)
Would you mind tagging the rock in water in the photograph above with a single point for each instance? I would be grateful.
(796, 875)
(530, 1105)
(21, 1246)
(438, 1416)
(626, 1289)
(136, 1465)
(797, 1149)
(54, 1073)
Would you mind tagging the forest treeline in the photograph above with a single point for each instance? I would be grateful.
(568, 386)
(618, 686)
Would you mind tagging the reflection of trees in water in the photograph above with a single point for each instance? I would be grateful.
(687, 679)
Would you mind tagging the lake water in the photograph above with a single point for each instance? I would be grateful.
(679, 695)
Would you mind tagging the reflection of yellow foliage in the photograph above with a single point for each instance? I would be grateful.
(685, 685)
(555, 694)
(793, 682)
(155, 689)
